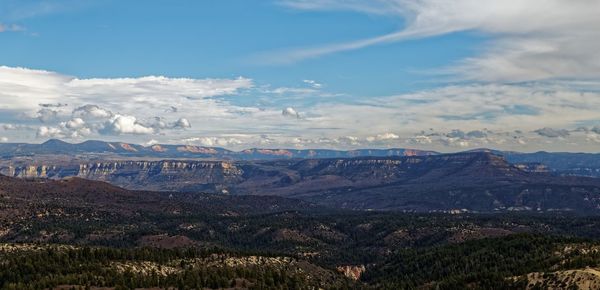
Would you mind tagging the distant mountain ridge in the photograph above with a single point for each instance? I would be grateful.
(559, 163)
(54, 146)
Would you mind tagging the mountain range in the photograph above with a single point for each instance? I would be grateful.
(460, 182)
(560, 163)
(101, 148)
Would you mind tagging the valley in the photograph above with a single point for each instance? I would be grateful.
(431, 221)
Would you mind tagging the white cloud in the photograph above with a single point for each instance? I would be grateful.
(92, 112)
(297, 91)
(10, 28)
(214, 141)
(384, 137)
(151, 142)
(47, 115)
(49, 132)
(593, 137)
(182, 123)
(24, 89)
(445, 118)
(313, 84)
(160, 123)
(75, 123)
(290, 112)
(97, 101)
(80, 133)
(531, 40)
(14, 127)
(3, 139)
(120, 124)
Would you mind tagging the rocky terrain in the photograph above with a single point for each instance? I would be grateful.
(470, 181)
(584, 279)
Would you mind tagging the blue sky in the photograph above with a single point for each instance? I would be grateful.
(224, 39)
(303, 73)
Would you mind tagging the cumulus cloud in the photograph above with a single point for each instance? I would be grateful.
(92, 112)
(80, 132)
(122, 124)
(3, 139)
(290, 112)
(47, 115)
(75, 123)
(182, 123)
(214, 141)
(344, 140)
(460, 116)
(530, 40)
(160, 123)
(107, 106)
(49, 132)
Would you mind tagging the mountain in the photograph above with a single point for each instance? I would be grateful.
(558, 163)
(120, 149)
(470, 181)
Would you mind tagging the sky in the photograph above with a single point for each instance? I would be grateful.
(341, 74)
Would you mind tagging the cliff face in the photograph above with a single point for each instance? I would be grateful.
(257, 177)
(471, 181)
(30, 171)
(165, 175)
(148, 175)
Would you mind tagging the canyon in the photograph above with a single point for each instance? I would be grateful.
(460, 182)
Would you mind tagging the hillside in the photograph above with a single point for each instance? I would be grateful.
(87, 232)
(84, 199)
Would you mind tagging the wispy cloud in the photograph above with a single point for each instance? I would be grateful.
(17, 10)
(531, 40)
(11, 27)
